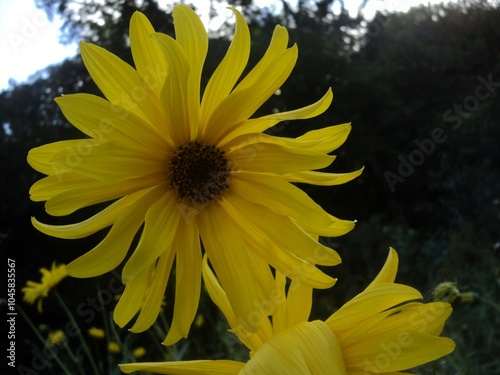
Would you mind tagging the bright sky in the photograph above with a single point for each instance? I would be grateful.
(29, 42)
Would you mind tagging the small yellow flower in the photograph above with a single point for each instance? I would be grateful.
(381, 330)
(96, 333)
(113, 347)
(181, 167)
(56, 337)
(139, 352)
(198, 322)
(38, 291)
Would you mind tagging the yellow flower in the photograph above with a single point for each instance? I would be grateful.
(381, 330)
(56, 337)
(38, 291)
(198, 322)
(113, 347)
(139, 352)
(191, 168)
(96, 333)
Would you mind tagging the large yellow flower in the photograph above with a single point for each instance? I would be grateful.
(34, 291)
(188, 168)
(379, 331)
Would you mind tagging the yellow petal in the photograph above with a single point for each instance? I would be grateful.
(120, 83)
(102, 219)
(217, 294)
(299, 303)
(307, 348)
(281, 197)
(426, 318)
(370, 302)
(109, 162)
(192, 37)
(161, 222)
(281, 259)
(325, 139)
(94, 192)
(240, 105)
(246, 287)
(177, 94)
(40, 158)
(112, 250)
(265, 122)
(229, 70)
(282, 231)
(148, 58)
(187, 282)
(53, 185)
(276, 159)
(219, 367)
(388, 272)
(154, 294)
(132, 297)
(106, 121)
(253, 341)
(278, 44)
(395, 351)
(321, 178)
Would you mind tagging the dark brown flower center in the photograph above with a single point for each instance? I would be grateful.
(199, 172)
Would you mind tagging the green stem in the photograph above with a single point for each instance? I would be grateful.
(492, 304)
(40, 337)
(80, 336)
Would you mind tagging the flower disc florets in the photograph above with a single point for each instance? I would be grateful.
(199, 172)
